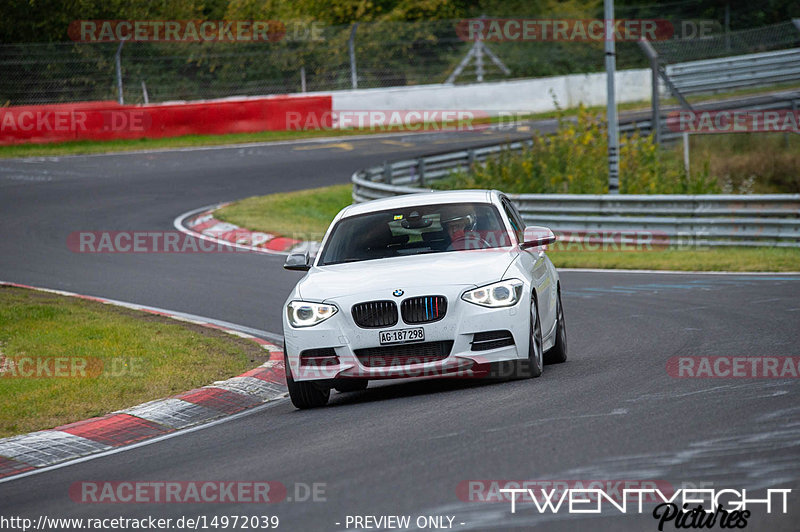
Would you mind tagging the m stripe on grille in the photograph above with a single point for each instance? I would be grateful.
(424, 309)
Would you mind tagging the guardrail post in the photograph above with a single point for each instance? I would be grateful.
(611, 103)
(470, 160)
(351, 44)
(118, 61)
(387, 172)
(421, 169)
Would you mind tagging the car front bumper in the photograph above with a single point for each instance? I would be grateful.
(340, 335)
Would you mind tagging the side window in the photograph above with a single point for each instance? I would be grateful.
(513, 217)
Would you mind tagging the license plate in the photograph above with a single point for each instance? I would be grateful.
(400, 336)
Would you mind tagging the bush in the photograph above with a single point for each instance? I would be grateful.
(574, 160)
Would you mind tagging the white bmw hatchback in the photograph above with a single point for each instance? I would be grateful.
(441, 283)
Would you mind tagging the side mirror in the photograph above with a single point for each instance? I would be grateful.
(536, 236)
(297, 261)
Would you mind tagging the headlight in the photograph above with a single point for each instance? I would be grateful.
(305, 314)
(502, 294)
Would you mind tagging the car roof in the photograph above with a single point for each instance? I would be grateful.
(423, 198)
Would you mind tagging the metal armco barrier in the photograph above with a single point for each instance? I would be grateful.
(642, 122)
(709, 220)
(727, 73)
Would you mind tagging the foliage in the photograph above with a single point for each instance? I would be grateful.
(574, 161)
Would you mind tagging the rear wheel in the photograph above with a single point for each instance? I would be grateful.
(351, 385)
(558, 353)
(532, 366)
(305, 394)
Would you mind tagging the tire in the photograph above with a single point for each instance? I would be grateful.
(558, 353)
(305, 394)
(532, 366)
(351, 385)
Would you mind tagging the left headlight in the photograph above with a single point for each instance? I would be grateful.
(502, 294)
(306, 314)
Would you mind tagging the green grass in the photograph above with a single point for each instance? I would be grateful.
(734, 259)
(304, 215)
(307, 214)
(129, 357)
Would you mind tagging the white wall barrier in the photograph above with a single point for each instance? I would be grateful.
(519, 96)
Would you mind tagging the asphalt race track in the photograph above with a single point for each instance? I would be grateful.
(612, 412)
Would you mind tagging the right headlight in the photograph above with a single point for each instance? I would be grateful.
(502, 294)
(307, 314)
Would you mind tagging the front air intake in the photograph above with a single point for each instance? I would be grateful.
(374, 314)
(484, 341)
(425, 309)
(404, 354)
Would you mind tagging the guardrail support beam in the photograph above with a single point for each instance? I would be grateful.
(351, 44)
(118, 61)
(387, 172)
(655, 122)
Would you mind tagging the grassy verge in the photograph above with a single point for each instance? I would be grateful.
(106, 358)
(306, 215)
(734, 259)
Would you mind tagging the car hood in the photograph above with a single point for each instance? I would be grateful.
(460, 268)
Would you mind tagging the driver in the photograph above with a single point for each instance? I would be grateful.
(460, 226)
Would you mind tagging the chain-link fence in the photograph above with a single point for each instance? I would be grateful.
(763, 39)
(386, 54)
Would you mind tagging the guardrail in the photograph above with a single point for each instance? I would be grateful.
(726, 73)
(710, 220)
(643, 122)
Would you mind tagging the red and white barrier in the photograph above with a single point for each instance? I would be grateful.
(108, 120)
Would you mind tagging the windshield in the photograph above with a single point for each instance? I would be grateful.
(415, 230)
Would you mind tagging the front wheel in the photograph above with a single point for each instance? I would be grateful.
(305, 394)
(532, 366)
(558, 353)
